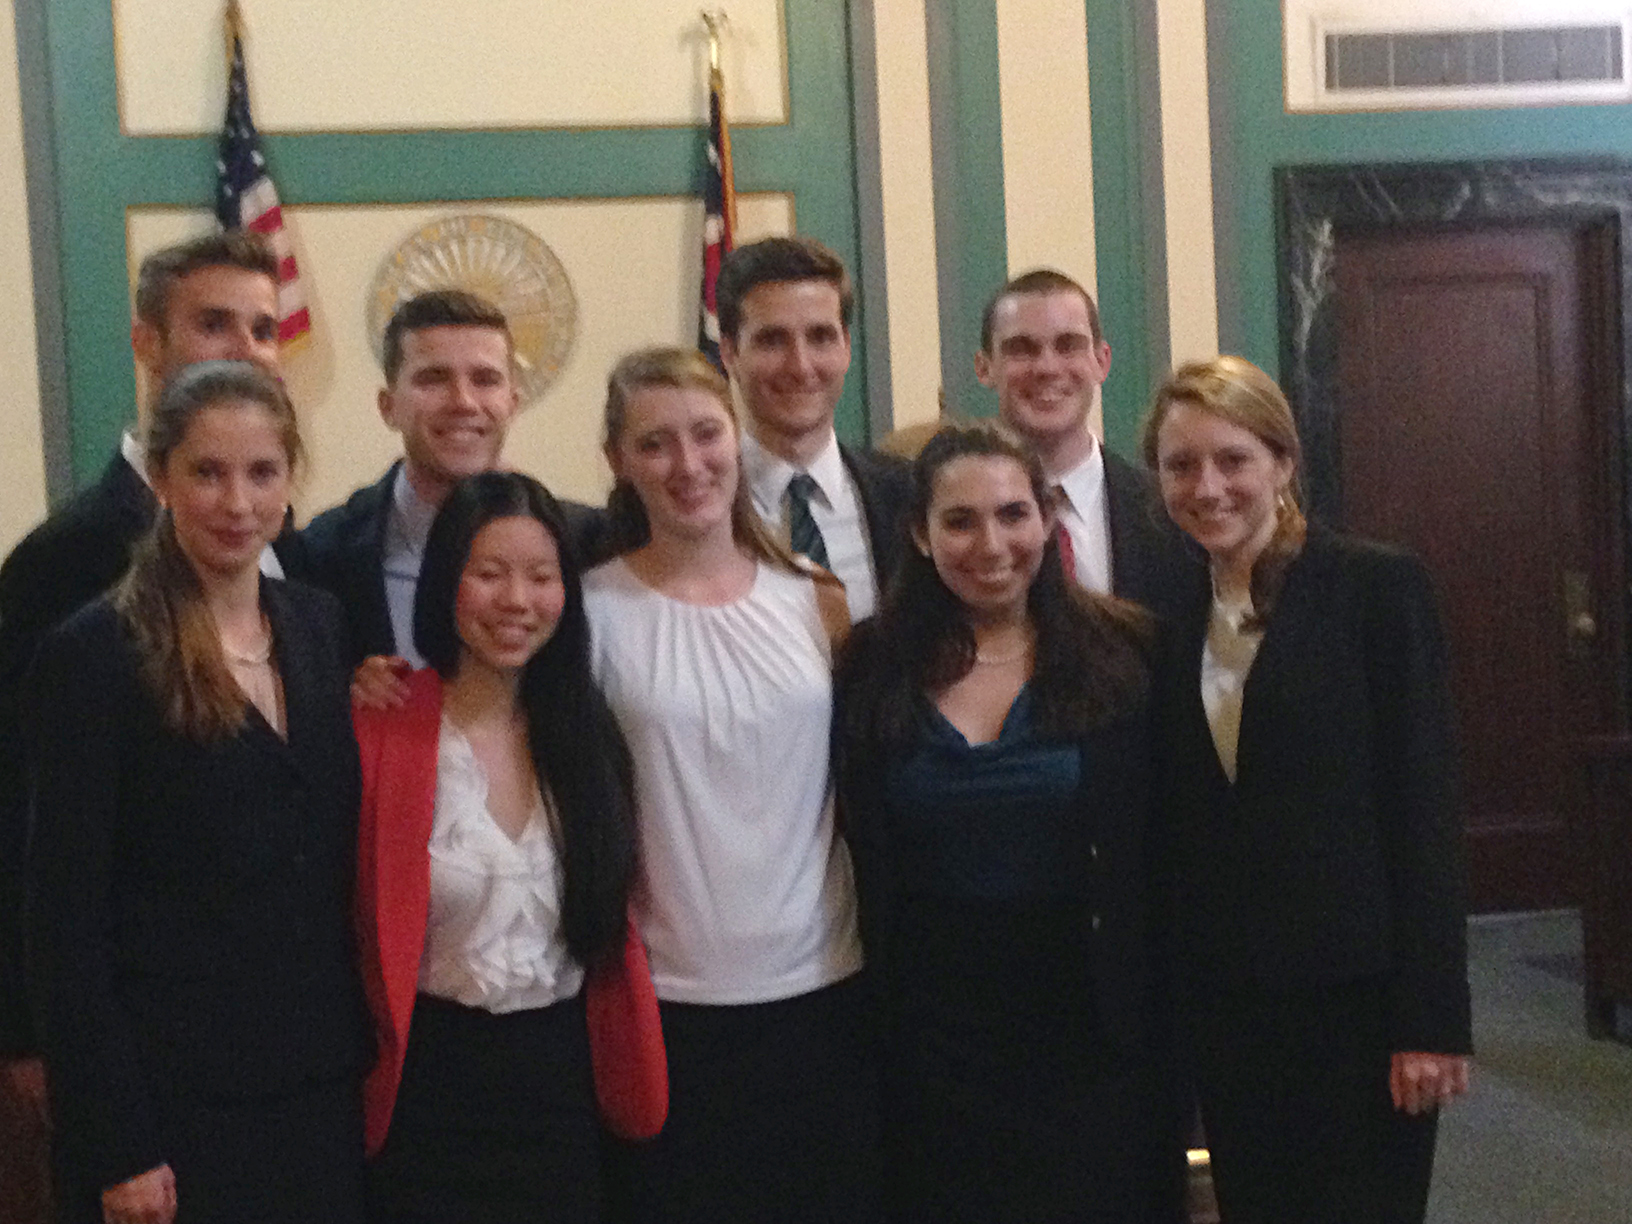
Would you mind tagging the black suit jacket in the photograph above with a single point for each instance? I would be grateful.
(1336, 853)
(193, 900)
(885, 485)
(1115, 802)
(68, 560)
(1152, 562)
(342, 550)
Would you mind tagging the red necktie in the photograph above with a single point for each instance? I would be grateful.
(1062, 537)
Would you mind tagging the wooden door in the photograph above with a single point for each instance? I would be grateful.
(1477, 428)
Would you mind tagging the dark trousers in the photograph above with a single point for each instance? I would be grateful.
(773, 1116)
(1294, 1095)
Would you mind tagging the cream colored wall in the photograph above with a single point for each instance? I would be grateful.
(22, 464)
(316, 65)
(1192, 288)
(627, 263)
(909, 210)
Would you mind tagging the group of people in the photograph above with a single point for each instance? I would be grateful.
(971, 818)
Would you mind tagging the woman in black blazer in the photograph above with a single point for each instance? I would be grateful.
(995, 778)
(1312, 841)
(195, 831)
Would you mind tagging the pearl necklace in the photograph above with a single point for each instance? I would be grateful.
(983, 660)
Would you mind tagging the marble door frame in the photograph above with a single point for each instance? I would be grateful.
(1316, 203)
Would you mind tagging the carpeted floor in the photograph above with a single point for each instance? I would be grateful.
(1545, 1136)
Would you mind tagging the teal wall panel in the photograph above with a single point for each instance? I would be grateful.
(102, 173)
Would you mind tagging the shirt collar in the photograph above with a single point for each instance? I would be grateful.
(131, 449)
(768, 474)
(413, 513)
(1084, 483)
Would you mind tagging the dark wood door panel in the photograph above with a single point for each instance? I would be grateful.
(1467, 375)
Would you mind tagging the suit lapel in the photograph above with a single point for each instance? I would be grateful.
(300, 670)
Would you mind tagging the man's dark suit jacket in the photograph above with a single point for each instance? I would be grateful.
(1152, 562)
(342, 550)
(193, 901)
(1336, 853)
(885, 485)
(67, 561)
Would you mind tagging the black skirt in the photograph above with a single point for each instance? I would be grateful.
(494, 1122)
(289, 1159)
(773, 1116)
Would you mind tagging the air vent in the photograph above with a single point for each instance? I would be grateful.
(1453, 59)
(1432, 54)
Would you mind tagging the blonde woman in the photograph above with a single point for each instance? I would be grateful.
(715, 651)
(1313, 835)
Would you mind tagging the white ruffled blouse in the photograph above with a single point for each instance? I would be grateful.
(493, 939)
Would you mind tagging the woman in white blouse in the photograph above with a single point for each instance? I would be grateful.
(497, 850)
(714, 649)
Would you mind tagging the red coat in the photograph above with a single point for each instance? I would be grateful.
(399, 752)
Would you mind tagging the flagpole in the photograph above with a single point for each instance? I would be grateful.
(714, 20)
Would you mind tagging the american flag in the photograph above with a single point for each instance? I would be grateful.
(719, 214)
(245, 197)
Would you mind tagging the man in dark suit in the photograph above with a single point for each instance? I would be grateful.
(215, 297)
(450, 391)
(784, 306)
(1043, 351)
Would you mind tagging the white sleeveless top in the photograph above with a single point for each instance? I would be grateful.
(493, 935)
(747, 893)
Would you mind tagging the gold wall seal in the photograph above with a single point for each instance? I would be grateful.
(505, 263)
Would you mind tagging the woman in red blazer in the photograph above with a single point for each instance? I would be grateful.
(1313, 839)
(496, 849)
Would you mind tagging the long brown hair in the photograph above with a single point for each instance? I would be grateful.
(1092, 664)
(160, 599)
(681, 369)
(1239, 393)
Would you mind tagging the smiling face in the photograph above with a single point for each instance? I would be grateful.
(678, 448)
(226, 485)
(510, 594)
(789, 358)
(1220, 482)
(452, 401)
(985, 533)
(1046, 367)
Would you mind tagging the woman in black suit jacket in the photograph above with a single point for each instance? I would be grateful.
(195, 829)
(995, 778)
(1312, 834)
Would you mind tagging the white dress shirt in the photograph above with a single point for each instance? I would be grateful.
(406, 528)
(836, 507)
(134, 455)
(1085, 513)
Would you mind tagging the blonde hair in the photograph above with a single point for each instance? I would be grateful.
(1240, 394)
(681, 369)
(160, 599)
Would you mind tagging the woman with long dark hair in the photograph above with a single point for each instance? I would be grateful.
(1312, 833)
(194, 844)
(714, 648)
(497, 850)
(996, 757)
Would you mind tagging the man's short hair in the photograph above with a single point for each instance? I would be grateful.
(165, 268)
(439, 308)
(772, 261)
(1038, 282)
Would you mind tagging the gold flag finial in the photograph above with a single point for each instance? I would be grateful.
(714, 19)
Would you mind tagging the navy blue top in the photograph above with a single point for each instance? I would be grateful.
(989, 822)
